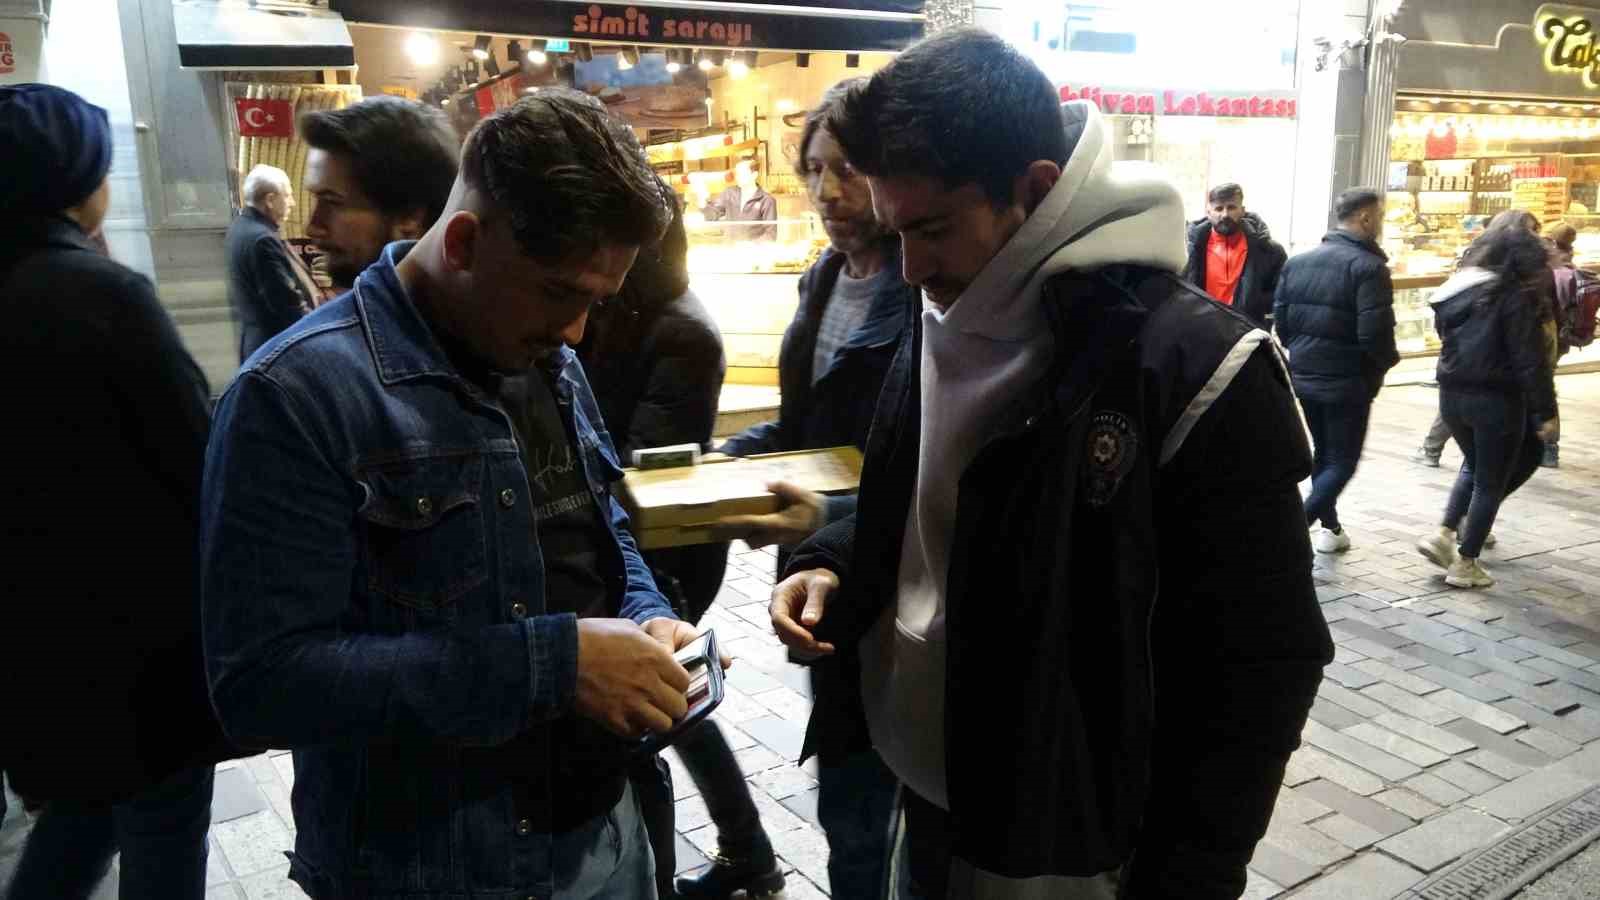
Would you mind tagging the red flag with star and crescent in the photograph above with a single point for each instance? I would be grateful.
(264, 118)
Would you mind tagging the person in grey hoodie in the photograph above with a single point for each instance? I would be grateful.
(1043, 456)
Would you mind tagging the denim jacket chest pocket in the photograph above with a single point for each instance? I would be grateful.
(423, 543)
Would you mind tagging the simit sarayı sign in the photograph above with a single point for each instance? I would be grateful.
(1253, 105)
(8, 55)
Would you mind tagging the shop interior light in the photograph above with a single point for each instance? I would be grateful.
(704, 62)
(584, 51)
(422, 48)
(852, 60)
(480, 47)
(537, 52)
(627, 58)
(737, 69)
(786, 105)
(674, 66)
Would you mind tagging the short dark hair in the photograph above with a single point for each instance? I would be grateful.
(1561, 234)
(1353, 201)
(1225, 192)
(962, 107)
(571, 177)
(403, 154)
(817, 117)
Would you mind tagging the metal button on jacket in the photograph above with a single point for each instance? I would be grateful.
(519, 610)
(424, 506)
(524, 828)
(508, 498)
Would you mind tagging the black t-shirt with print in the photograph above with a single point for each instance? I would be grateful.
(587, 763)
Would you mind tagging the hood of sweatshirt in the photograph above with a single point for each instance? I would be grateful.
(1100, 213)
(1462, 281)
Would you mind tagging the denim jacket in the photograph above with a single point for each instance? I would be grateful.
(373, 600)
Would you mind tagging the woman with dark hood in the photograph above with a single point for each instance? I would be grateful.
(654, 359)
(108, 725)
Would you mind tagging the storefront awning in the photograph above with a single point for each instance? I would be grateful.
(229, 34)
(848, 25)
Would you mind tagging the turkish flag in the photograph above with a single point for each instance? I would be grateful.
(264, 118)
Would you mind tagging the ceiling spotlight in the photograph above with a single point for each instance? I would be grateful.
(852, 60)
(717, 56)
(584, 51)
(492, 67)
(514, 53)
(704, 61)
(802, 60)
(536, 52)
(628, 58)
(422, 48)
(480, 47)
(737, 69)
(673, 64)
(750, 57)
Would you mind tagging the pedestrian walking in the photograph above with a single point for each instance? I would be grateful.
(654, 358)
(1045, 452)
(855, 311)
(416, 573)
(107, 725)
(377, 171)
(1335, 315)
(1439, 433)
(1493, 375)
(1233, 257)
(269, 288)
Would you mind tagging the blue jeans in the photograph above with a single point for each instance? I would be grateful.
(1337, 415)
(1491, 429)
(161, 833)
(856, 808)
(608, 858)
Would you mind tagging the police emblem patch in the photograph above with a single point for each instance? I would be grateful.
(1113, 448)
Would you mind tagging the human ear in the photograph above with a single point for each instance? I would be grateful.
(461, 241)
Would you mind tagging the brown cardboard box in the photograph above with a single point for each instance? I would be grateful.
(675, 507)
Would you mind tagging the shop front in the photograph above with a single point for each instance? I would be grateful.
(1497, 106)
(1209, 94)
(717, 93)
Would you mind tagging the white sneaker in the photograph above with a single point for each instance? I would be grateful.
(1439, 548)
(1467, 573)
(1324, 540)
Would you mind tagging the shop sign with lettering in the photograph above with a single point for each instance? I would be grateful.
(1219, 104)
(1571, 45)
(8, 55)
(732, 27)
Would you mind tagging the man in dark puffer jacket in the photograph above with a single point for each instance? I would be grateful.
(1233, 257)
(1335, 314)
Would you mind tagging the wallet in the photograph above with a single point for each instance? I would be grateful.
(701, 660)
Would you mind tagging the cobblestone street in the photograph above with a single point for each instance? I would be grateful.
(1449, 718)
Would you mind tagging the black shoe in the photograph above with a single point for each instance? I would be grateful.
(1552, 457)
(757, 875)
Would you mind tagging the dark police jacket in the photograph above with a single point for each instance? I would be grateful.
(1125, 679)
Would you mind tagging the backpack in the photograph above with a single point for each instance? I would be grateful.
(1577, 304)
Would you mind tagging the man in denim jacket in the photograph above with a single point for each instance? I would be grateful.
(414, 571)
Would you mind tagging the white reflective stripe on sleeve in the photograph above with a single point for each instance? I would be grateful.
(1219, 381)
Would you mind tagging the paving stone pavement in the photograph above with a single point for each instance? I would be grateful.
(1448, 718)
